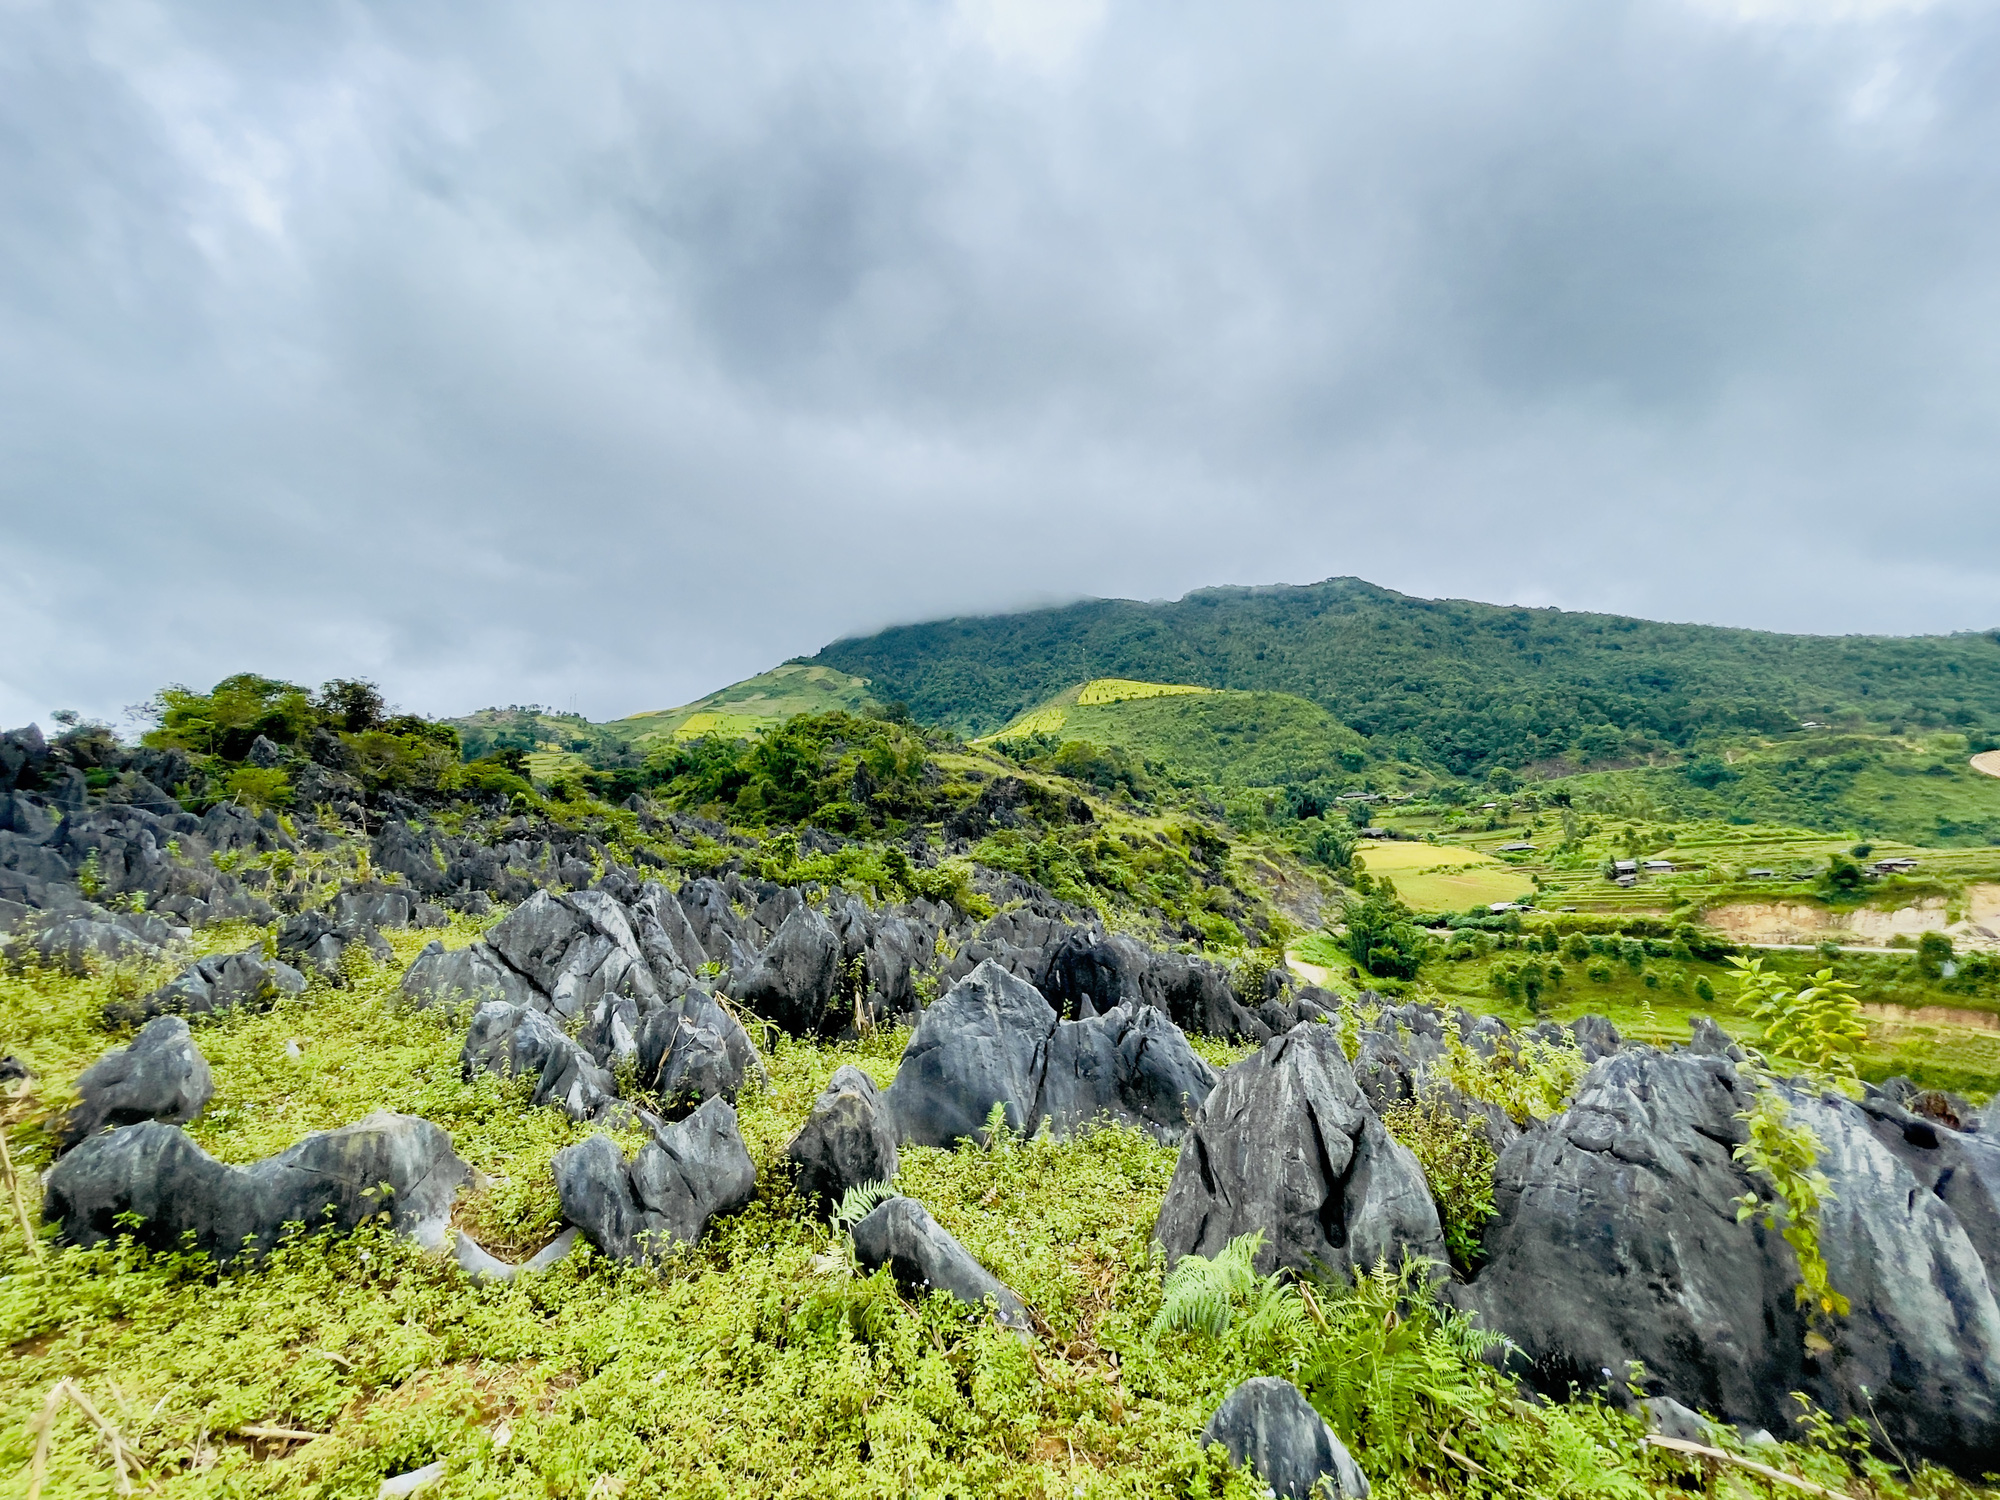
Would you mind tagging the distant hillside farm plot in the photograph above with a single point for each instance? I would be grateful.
(1443, 877)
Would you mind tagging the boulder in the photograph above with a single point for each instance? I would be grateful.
(1286, 1144)
(1267, 1424)
(464, 979)
(795, 982)
(413, 854)
(666, 937)
(510, 1040)
(923, 1258)
(849, 1140)
(220, 982)
(81, 943)
(575, 949)
(1616, 1240)
(688, 1175)
(993, 1040)
(983, 1043)
(315, 940)
(1130, 1066)
(160, 1076)
(1919, 1351)
(693, 1050)
(332, 1180)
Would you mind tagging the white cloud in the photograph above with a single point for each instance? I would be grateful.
(1045, 36)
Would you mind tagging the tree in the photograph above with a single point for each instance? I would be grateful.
(1381, 938)
(1843, 879)
(351, 704)
(1934, 951)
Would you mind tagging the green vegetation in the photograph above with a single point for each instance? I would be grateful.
(1458, 685)
(1814, 1030)
(1652, 986)
(345, 727)
(1232, 741)
(1917, 788)
(563, 742)
(758, 1362)
(1443, 877)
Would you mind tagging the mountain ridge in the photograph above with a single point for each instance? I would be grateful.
(1460, 683)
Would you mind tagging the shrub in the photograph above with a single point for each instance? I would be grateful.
(258, 788)
(1458, 1166)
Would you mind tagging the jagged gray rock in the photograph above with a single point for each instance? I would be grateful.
(160, 1076)
(1268, 1424)
(693, 1050)
(848, 1140)
(575, 949)
(993, 1040)
(511, 1039)
(1617, 1240)
(1131, 1066)
(979, 1045)
(1286, 1144)
(795, 982)
(924, 1258)
(83, 942)
(220, 982)
(688, 1175)
(463, 979)
(332, 1180)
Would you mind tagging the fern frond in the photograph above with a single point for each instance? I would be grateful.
(1200, 1294)
(858, 1202)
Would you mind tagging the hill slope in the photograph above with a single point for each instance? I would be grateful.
(1462, 685)
(1230, 738)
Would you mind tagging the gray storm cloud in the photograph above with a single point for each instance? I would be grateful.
(600, 355)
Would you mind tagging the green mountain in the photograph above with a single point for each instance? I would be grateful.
(1459, 685)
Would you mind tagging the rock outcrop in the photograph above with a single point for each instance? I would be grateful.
(993, 1040)
(221, 982)
(1617, 1240)
(923, 1258)
(848, 1141)
(688, 1175)
(1267, 1424)
(160, 1076)
(510, 1041)
(1287, 1145)
(390, 1164)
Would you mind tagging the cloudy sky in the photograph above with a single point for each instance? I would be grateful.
(601, 354)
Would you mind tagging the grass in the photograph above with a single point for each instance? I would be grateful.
(759, 1362)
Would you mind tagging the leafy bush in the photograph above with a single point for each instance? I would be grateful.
(258, 789)
(1381, 938)
(1458, 1167)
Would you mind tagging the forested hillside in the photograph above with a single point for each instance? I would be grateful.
(1461, 685)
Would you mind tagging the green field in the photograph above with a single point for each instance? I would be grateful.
(1443, 877)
